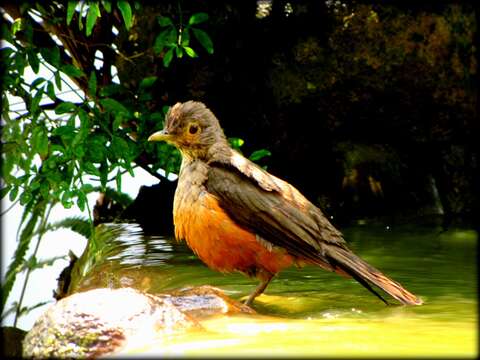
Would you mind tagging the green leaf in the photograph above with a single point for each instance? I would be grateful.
(204, 40)
(92, 15)
(35, 184)
(120, 147)
(107, 5)
(103, 175)
(25, 197)
(96, 151)
(236, 143)
(165, 21)
(58, 80)
(78, 224)
(178, 52)
(87, 188)
(259, 154)
(51, 91)
(118, 180)
(71, 11)
(148, 82)
(198, 18)
(33, 60)
(92, 84)
(65, 107)
(51, 55)
(113, 106)
(36, 82)
(6, 54)
(167, 58)
(13, 193)
(126, 11)
(5, 33)
(190, 52)
(35, 138)
(66, 132)
(43, 144)
(84, 120)
(20, 62)
(159, 43)
(112, 89)
(66, 200)
(44, 189)
(36, 100)
(185, 37)
(167, 37)
(18, 25)
(72, 71)
(129, 168)
(79, 151)
(90, 169)
(4, 191)
(40, 141)
(81, 200)
(117, 122)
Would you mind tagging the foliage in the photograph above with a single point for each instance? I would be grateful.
(78, 224)
(87, 117)
(56, 148)
(178, 41)
(400, 76)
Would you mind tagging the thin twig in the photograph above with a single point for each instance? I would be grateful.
(11, 207)
(29, 270)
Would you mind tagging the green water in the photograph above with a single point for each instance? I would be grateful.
(311, 312)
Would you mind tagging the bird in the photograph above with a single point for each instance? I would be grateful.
(237, 217)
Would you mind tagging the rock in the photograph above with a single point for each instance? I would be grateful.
(105, 321)
(203, 301)
(102, 321)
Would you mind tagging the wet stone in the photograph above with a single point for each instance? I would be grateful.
(203, 301)
(105, 321)
(102, 321)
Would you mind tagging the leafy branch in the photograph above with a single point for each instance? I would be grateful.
(176, 40)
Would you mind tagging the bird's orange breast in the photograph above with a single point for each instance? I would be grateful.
(219, 241)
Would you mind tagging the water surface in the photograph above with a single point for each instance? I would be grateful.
(309, 311)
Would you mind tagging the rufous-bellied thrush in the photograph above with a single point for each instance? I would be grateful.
(237, 217)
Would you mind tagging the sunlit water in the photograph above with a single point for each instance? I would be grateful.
(311, 312)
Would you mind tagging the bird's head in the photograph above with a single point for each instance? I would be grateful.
(192, 128)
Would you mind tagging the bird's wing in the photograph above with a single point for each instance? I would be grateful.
(271, 208)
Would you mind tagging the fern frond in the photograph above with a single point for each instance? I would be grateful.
(26, 235)
(79, 224)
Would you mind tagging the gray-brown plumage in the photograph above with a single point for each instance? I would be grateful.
(237, 217)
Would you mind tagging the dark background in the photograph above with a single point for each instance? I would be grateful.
(371, 114)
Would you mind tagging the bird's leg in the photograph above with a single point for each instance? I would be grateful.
(265, 280)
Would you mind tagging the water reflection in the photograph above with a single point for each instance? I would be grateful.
(132, 248)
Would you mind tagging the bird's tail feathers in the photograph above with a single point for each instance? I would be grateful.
(366, 274)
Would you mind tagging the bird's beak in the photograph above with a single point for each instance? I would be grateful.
(160, 136)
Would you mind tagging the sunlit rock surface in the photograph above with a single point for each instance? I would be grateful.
(104, 321)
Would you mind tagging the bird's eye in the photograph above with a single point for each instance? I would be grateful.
(193, 129)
